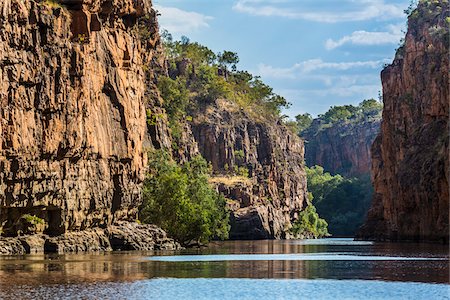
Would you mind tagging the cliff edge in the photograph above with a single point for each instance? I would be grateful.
(410, 158)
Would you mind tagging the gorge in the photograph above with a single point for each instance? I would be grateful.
(82, 104)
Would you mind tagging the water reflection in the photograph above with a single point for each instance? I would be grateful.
(36, 270)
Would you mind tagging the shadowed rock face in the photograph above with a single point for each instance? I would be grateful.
(265, 203)
(410, 158)
(342, 148)
(73, 102)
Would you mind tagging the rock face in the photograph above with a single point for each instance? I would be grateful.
(343, 148)
(80, 107)
(121, 236)
(76, 80)
(265, 201)
(410, 156)
(73, 111)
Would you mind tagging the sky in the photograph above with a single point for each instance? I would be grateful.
(315, 53)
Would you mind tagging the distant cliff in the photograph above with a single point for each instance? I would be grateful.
(410, 157)
(340, 140)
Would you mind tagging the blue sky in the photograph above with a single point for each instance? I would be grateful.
(316, 53)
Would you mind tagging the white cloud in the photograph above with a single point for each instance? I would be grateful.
(180, 22)
(306, 67)
(368, 38)
(360, 11)
(364, 91)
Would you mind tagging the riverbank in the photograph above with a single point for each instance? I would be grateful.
(121, 236)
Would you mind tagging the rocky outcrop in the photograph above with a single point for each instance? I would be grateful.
(73, 97)
(410, 156)
(258, 166)
(121, 236)
(343, 147)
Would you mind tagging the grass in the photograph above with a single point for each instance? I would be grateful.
(33, 219)
(230, 180)
(53, 3)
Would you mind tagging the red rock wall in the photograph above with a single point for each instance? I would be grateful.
(411, 155)
(73, 110)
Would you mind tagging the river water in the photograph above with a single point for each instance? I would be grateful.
(293, 269)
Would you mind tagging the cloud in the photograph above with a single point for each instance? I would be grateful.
(178, 21)
(355, 10)
(306, 67)
(369, 38)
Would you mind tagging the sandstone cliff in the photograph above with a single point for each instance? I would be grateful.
(80, 107)
(76, 77)
(342, 148)
(258, 166)
(410, 158)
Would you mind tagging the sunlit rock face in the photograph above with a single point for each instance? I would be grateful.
(73, 110)
(410, 158)
(264, 205)
(78, 80)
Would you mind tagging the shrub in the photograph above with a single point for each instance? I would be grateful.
(343, 202)
(180, 200)
(309, 223)
(33, 220)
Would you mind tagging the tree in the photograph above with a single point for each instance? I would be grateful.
(310, 224)
(343, 202)
(303, 121)
(180, 200)
(228, 58)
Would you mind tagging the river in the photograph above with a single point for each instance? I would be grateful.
(291, 269)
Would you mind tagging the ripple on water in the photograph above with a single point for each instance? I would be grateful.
(287, 257)
(232, 289)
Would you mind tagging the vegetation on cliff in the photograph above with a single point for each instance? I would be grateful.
(367, 111)
(179, 199)
(343, 202)
(309, 224)
(337, 151)
(197, 75)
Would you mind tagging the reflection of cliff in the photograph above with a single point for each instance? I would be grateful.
(34, 271)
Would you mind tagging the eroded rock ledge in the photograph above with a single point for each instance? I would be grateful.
(123, 236)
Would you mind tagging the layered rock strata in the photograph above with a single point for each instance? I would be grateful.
(258, 166)
(76, 77)
(343, 148)
(410, 157)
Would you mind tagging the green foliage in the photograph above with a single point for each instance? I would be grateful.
(343, 202)
(228, 58)
(33, 220)
(309, 223)
(206, 77)
(366, 111)
(53, 3)
(180, 200)
(303, 121)
(239, 154)
(242, 171)
(175, 95)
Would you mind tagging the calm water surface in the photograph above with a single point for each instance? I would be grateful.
(311, 269)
